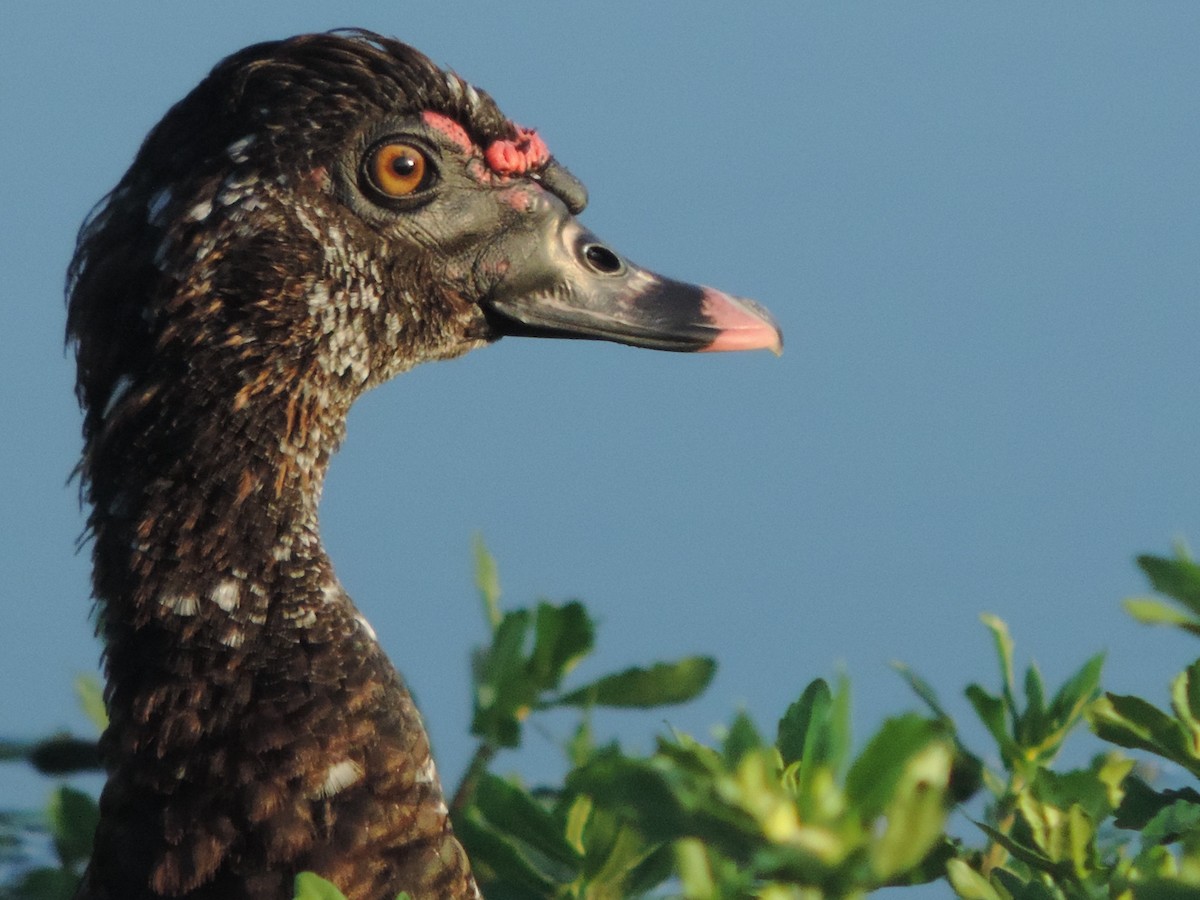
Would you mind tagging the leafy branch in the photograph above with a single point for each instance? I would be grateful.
(799, 813)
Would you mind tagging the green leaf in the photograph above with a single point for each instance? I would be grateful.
(742, 738)
(875, 775)
(1078, 787)
(11, 751)
(633, 788)
(990, 710)
(1012, 886)
(662, 684)
(497, 860)
(582, 744)
(1178, 578)
(1141, 802)
(310, 886)
(814, 740)
(1185, 701)
(1031, 724)
(504, 690)
(64, 754)
(513, 812)
(689, 756)
(1150, 611)
(90, 693)
(487, 581)
(931, 867)
(1167, 889)
(1027, 855)
(1063, 836)
(968, 883)
(915, 815)
(1077, 692)
(1132, 722)
(578, 816)
(1172, 822)
(838, 753)
(1112, 770)
(46, 883)
(692, 862)
(563, 635)
(73, 817)
(803, 732)
(654, 869)
(674, 796)
(625, 854)
(1004, 653)
(966, 774)
(922, 689)
(1081, 841)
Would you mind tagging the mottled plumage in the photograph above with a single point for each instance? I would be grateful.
(244, 282)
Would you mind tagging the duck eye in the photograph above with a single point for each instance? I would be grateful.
(396, 169)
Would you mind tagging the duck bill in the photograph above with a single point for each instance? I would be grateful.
(569, 284)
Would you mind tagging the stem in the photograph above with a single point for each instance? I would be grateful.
(484, 754)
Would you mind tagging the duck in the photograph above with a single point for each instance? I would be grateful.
(320, 214)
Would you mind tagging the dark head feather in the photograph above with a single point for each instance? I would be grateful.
(270, 112)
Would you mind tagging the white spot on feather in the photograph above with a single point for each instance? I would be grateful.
(318, 297)
(227, 595)
(340, 776)
(181, 604)
(427, 774)
(237, 150)
(366, 626)
(200, 211)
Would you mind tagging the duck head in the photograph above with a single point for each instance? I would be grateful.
(337, 206)
(508, 209)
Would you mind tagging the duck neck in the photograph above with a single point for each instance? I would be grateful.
(191, 497)
(246, 694)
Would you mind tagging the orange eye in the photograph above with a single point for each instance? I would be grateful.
(396, 169)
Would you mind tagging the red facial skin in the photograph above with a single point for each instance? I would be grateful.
(451, 129)
(527, 152)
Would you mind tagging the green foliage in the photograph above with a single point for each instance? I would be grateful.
(90, 694)
(738, 818)
(803, 816)
(532, 651)
(1101, 831)
(802, 813)
(69, 820)
(309, 886)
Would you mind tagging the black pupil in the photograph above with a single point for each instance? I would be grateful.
(404, 165)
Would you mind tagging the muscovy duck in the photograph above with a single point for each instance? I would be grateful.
(318, 215)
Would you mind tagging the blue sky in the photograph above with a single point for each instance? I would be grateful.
(978, 226)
